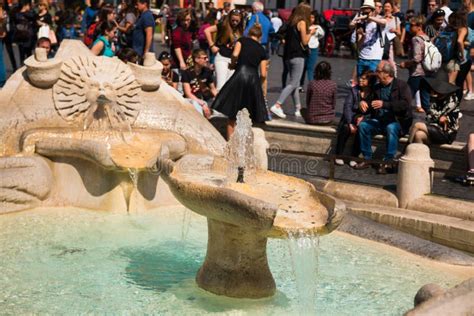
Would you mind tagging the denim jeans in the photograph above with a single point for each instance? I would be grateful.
(366, 64)
(415, 84)
(3, 74)
(295, 69)
(368, 128)
(311, 63)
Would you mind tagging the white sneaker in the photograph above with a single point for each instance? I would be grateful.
(352, 163)
(298, 113)
(339, 162)
(469, 96)
(278, 111)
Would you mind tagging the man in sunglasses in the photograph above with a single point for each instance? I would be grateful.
(432, 7)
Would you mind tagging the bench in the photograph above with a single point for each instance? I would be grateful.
(300, 137)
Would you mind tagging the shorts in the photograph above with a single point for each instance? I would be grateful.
(452, 66)
(438, 136)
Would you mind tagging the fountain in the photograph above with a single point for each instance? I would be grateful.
(81, 133)
(96, 133)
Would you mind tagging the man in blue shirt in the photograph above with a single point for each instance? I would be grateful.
(142, 40)
(263, 20)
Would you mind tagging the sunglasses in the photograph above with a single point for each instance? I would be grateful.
(235, 11)
(203, 57)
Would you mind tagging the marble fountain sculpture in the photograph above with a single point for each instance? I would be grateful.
(94, 132)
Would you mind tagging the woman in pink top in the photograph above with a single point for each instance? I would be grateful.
(321, 97)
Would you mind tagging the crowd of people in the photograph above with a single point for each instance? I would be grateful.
(219, 60)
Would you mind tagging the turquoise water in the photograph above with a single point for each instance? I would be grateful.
(73, 261)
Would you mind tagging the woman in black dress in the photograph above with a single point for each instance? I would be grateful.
(244, 88)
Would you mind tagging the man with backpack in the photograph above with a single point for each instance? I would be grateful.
(421, 62)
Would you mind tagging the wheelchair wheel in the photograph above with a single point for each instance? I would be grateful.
(330, 44)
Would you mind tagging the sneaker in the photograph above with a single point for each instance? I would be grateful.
(300, 89)
(298, 113)
(339, 162)
(469, 96)
(278, 111)
(352, 163)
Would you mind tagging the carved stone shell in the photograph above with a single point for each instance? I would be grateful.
(84, 78)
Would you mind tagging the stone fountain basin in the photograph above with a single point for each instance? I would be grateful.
(275, 204)
(112, 149)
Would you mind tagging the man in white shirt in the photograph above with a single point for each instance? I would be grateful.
(368, 37)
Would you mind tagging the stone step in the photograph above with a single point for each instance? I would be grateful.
(449, 231)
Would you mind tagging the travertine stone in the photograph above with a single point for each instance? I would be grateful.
(456, 301)
(236, 262)
(148, 75)
(41, 71)
(414, 179)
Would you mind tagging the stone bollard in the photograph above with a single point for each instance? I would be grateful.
(414, 179)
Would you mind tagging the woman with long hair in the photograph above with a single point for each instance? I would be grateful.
(352, 115)
(317, 33)
(227, 33)
(127, 18)
(182, 39)
(244, 88)
(295, 50)
(391, 31)
(103, 45)
(106, 14)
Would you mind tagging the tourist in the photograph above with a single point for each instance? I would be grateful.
(142, 38)
(198, 82)
(460, 64)
(258, 17)
(181, 40)
(352, 115)
(469, 177)
(274, 38)
(444, 5)
(128, 55)
(407, 36)
(321, 97)
(8, 39)
(104, 46)
(209, 21)
(164, 20)
(244, 88)
(317, 33)
(45, 42)
(24, 34)
(90, 15)
(391, 116)
(106, 14)
(431, 9)
(368, 37)
(295, 50)
(227, 33)
(127, 18)
(3, 34)
(414, 64)
(226, 8)
(442, 121)
(434, 25)
(43, 18)
(390, 32)
(168, 76)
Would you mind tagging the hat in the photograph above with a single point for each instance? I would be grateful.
(368, 4)
(441, 86)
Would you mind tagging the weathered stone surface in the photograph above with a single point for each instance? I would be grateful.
(414, 176)
(366, 228)
(427, 292)
(443, 206)
(360, 193)
(456, 301)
